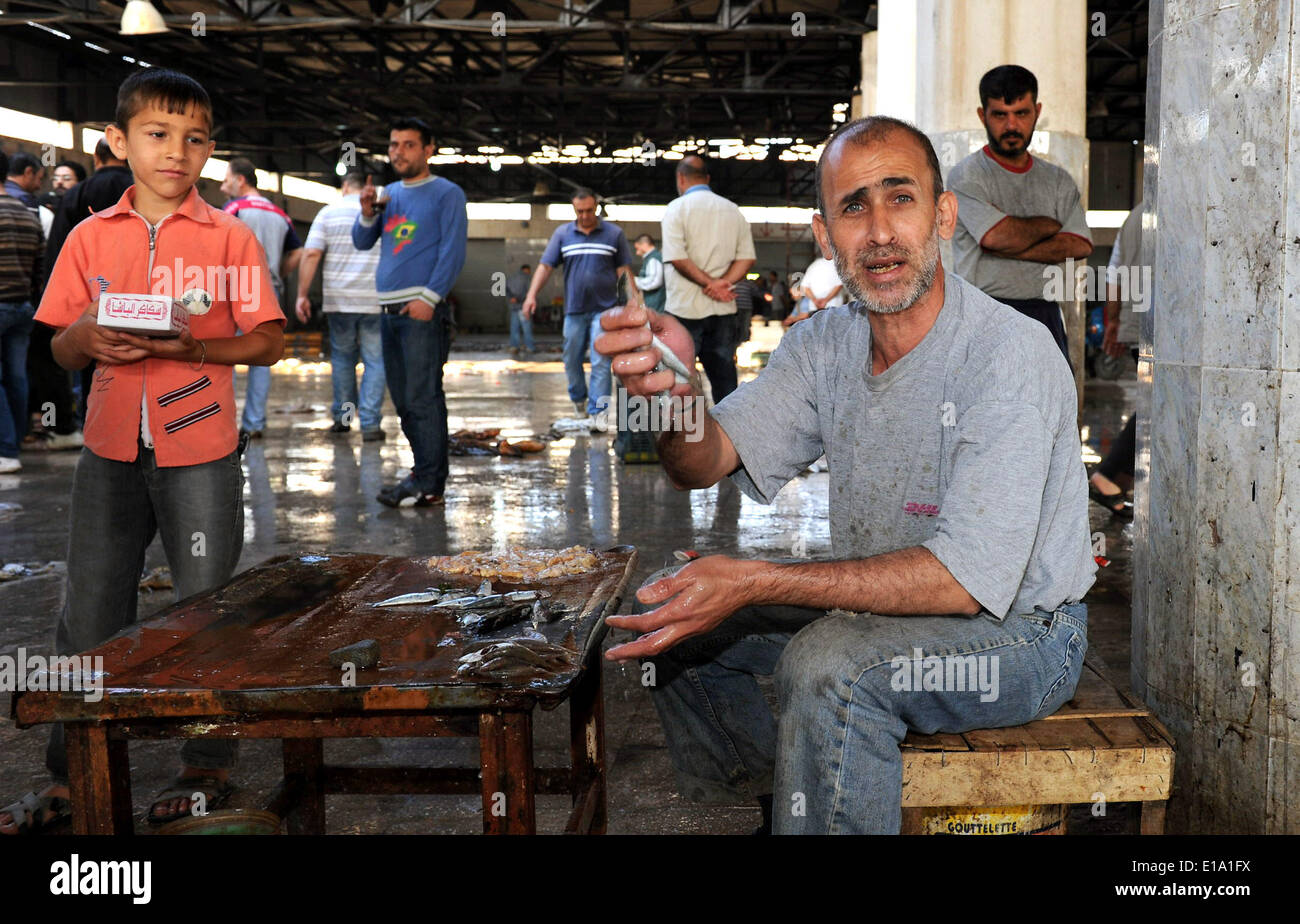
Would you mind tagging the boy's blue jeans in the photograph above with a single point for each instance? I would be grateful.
(351, 333)
(847, 690)
(580, 333)
(117, 508)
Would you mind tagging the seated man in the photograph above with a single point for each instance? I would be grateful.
(958, 507)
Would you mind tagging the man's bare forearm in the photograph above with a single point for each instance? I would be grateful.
(696, 463)
(1013, 234)
(736, 271)
(908, 582)
(692, 272)
(1056, 248)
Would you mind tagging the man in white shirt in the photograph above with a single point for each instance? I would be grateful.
(707, 249)
(821, 288)
(351, 307)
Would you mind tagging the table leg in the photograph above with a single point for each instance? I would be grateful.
(587, 741)
(1151, 818)
(303, 759)
(99, 777)
(506, 755)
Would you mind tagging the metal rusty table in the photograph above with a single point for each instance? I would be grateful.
(251, 660)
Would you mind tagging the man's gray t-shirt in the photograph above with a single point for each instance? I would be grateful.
(987, 192)
(967, 446)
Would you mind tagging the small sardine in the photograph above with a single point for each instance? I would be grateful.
(482, 603)
(527, 596)
(423, 596)
(457, 603)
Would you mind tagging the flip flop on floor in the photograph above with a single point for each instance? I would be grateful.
(1117, 504)
(29, 813)
(215, 792)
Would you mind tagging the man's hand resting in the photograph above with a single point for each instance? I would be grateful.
(703, 594)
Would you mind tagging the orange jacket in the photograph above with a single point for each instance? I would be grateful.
(191, 412)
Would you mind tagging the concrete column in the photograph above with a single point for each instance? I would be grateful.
(864, 101)
(1216, 597)
(931, 55)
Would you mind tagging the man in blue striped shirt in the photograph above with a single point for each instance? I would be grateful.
(594, 253)
(425, 229)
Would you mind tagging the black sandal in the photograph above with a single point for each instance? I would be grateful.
(1124, 510)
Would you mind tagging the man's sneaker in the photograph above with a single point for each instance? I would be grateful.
(403, 495)
(58, 441)
(8, 465)
(602, 421)
(370, 436)
(340, 427)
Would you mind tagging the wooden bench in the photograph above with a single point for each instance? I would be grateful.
(1099, 742)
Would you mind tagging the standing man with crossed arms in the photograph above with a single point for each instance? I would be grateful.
(1015, 215)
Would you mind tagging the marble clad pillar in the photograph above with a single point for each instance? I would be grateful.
(1216, 596)
(931, 55)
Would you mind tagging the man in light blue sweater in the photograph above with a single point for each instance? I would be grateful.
(423, 227)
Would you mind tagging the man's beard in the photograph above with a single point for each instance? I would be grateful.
(409, 172)
(858, 289)
(995, 144)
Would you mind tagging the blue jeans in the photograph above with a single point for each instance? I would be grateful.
(259, 387)
(849, 688)
(15, 331)
(520, 323)
(580, 333)
(117, 508)
(348, 331)
(414, 354)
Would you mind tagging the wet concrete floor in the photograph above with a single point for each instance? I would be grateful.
(311, 491)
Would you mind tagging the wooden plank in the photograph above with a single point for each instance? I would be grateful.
(1035, 776)
(1095, 696)
(99, 780)
(366, 726)
(1152, 818)
(1012, 738)
(506, 752)
(303, 760)
(1079, 735)
(587, 745)
(940, 741)
(1128, 733)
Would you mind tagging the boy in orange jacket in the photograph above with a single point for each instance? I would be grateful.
(160, 450)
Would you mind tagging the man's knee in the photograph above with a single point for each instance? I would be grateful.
(826, 658)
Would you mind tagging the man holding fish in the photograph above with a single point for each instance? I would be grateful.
(958, 516)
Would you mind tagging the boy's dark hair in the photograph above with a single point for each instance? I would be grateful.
(75, 167)
(874, 129)
(524, 266)
(412, 123)
(1008, 83)
(169, 90)
(21, 162)
(242, 166)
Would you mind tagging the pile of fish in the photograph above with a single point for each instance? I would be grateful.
(530, 657)
(484, 610)
(486, 443)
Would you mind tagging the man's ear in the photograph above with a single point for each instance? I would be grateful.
(979, 111)
(822, 234)
(946, 214)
